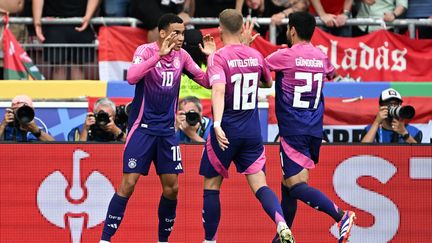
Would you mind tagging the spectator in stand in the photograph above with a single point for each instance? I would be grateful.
(207, 8)
(388, 10)
(421, 9)
(149, 12)
(116, 8)
(7, 6)
(69, 34)
(191, 125)
(19, 122)
(334, 14)
(276, 10)
(387, 129)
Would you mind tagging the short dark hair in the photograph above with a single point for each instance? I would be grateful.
(231, 19)
(167, 19)
(304, 23)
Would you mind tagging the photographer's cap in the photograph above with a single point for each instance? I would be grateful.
(22, 99)
(389, 94)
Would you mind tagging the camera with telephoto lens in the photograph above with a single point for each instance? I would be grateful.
(102, 118)
(23, 115)
(404, 112)
(192, 117)
(122, 114)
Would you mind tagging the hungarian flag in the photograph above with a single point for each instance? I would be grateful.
(17, 64)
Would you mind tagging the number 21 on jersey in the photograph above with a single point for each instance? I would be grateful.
(245, 88)
(307, 88)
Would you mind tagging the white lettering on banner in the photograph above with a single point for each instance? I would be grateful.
(385, 212)
(53, 191)
(350, 58)
(420, 168)
(367, 57)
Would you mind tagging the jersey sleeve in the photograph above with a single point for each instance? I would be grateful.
(215, 71)
(273, 61)
(266, 73)
(194, 72)
(142, 63)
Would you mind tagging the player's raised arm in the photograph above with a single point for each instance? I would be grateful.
(143, 62)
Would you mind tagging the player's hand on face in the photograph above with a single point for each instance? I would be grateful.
(168, 44)
(221, 138)
(8, 116)
(382, 114)
(209, 45)
(90, 120)
(247, 36)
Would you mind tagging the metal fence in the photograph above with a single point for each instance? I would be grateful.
(80, 61)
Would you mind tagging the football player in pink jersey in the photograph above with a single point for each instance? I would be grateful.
(300, 74)
(156, 72)
(234, 73)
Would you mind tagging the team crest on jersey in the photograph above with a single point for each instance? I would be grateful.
(132, 163)
(137, 60)
(176, 62)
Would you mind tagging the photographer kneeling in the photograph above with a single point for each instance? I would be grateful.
(191, 125)
(100, 124)
(18, 123)
(389, 125)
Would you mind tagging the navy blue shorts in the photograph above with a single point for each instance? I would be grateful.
(248, 155)
(141, 149)
(298, 153)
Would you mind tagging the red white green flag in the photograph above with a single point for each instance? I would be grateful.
(17, 64)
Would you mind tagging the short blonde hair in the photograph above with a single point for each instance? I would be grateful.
(231, 20)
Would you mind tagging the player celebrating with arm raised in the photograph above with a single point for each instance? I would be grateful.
(156, 72)
(300, 73)
(234, 72)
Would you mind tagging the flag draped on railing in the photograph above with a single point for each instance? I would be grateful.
(17, 64)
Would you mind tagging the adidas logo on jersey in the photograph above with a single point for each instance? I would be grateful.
(112, 226)
(179, 167)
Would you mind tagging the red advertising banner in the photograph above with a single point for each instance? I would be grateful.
(378, 56)
(60, 192)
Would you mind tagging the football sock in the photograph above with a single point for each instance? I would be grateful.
(114, 216)
(167, 215)
(289, 206)
(315, 199)
(270, 203)
(211, 213)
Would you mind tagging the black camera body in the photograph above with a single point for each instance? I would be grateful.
(122, 114)
(192, 117)
(23, 115)
(404, 112)
(102, 118)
